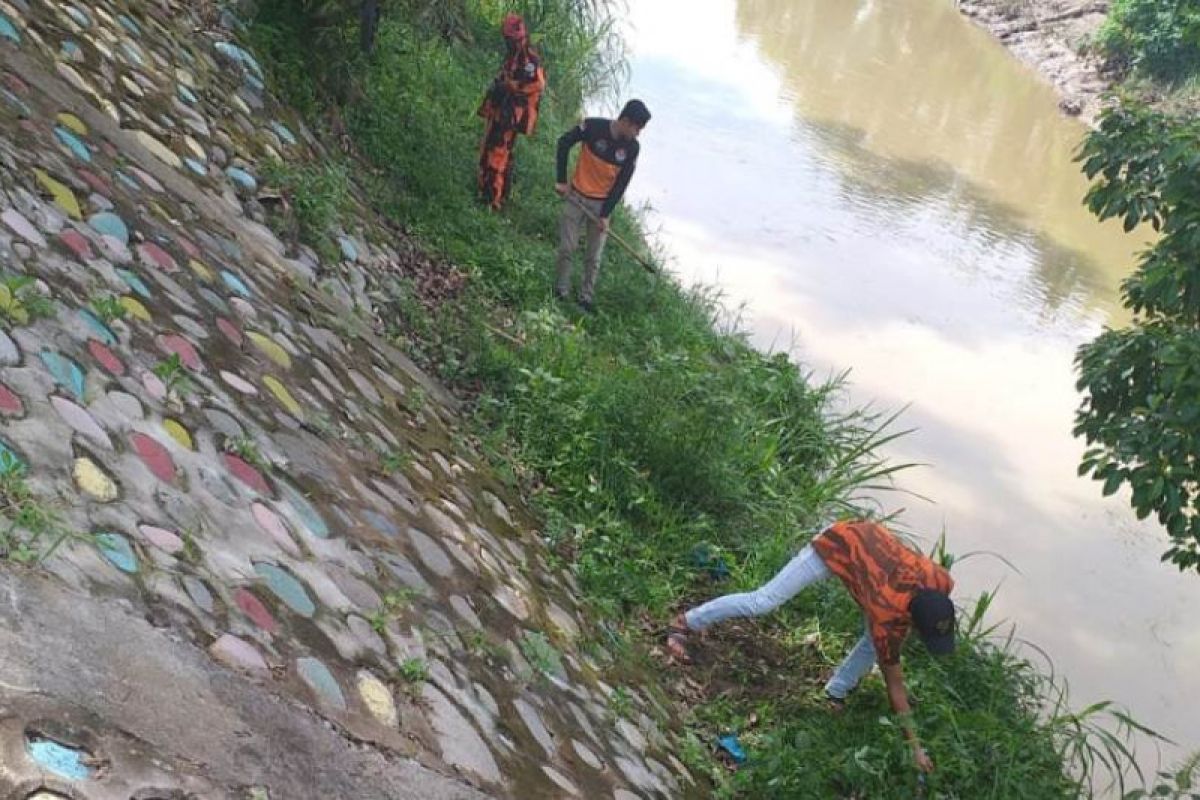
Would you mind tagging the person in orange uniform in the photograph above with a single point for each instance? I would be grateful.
(606, 163)
(510, 108)
(897, 588)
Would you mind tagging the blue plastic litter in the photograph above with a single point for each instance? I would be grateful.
(733, 747)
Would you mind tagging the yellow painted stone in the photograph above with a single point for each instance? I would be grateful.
(185, 77)
(271, 349)
(135, 308)
(282, 395)
(195, 147)
(158, 149)
(64, 198)
(132, 87)
(378, 699)
(179, 433)
(202, 272)
(92, 480)
(74, 123)
(160, 212)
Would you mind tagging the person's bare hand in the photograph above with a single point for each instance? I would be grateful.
(922, 760)
(604, 224)
(562, 189)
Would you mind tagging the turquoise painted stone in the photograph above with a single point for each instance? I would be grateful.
(135, 282)
(81, 18)
(349, 251)
(195, 166)
(235, 283)
(8, 31)
(99, 328)
(73, 143)
(255, 83)
(308, 514)
(289, 590)
(128, 181)
(117, 549)
(109, 224)
(235, 53)
(66, 372)
(242, 178)
(283, 132)
(9, 460)
(321, 681)
(70, 49)
(128, 23)
(187, 95)
(131, 50)
(66, 762)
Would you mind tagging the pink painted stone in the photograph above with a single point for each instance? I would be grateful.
(188, 246)
(16, 84)
(253, 608)
(153, 255)
(238, 653)
(239, 383)
(273, 524)
(154, 386)
(81, 421)
(165, 540)
(148, 179)
(230, 330)
(106, 358)
(246, 473)
(110, 150)
(176, 344)
(155, 456)
(23, 227)
(78, 244)
(10, 403)
(98, 185)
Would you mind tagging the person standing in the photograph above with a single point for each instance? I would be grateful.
(510, 108)
(897, 588)
(606, 163)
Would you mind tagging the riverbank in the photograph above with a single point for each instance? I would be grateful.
(1051, 37)
(667, 458)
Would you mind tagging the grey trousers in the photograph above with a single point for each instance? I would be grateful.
(570, 225)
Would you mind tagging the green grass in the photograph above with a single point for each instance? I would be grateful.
(651, 429)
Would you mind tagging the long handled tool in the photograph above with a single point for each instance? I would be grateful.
(645, 262)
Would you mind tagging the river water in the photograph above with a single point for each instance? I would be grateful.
(885, 189)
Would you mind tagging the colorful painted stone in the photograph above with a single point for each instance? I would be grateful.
(179, 433)
(377, 697)
(235, 283)
(149, 180)
(187, 95)
(244, 180)
(283, 396)
(289, 590)
(66, 762)
(65, 372)
(195, 166)
(134, 281)
(308, 513)
(10, 403)
(9, 460)
(107, 223)
(274, 525)
(77, 244)
(253, 608)
(81, 421)
(230, 331)
(62, 195)
(270, 348)
(101, 331)
(165, 540)
(155, 456)
(239, 383)
(73, 143)
(245, 473)
(202, 272)
(135, 309)
(72, 123)
(158, 149)
(117, 549)
(8, 30)
(238, 653)
(173, 344)
(22, 227)
(153, 255)
(349, 250)
(10, 354)
(154, 386)
(283, 133)
(321, 681)
(199, 593)
(106, 358)
(129, 24)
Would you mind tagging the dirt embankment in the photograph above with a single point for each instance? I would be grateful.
(1050, 35)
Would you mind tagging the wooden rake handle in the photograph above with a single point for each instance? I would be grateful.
(646, 263)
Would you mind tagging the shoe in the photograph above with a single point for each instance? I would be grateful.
(588, 306)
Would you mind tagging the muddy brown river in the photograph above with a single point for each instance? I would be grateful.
(886, 190)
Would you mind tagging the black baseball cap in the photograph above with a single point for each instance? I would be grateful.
(933, 617)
